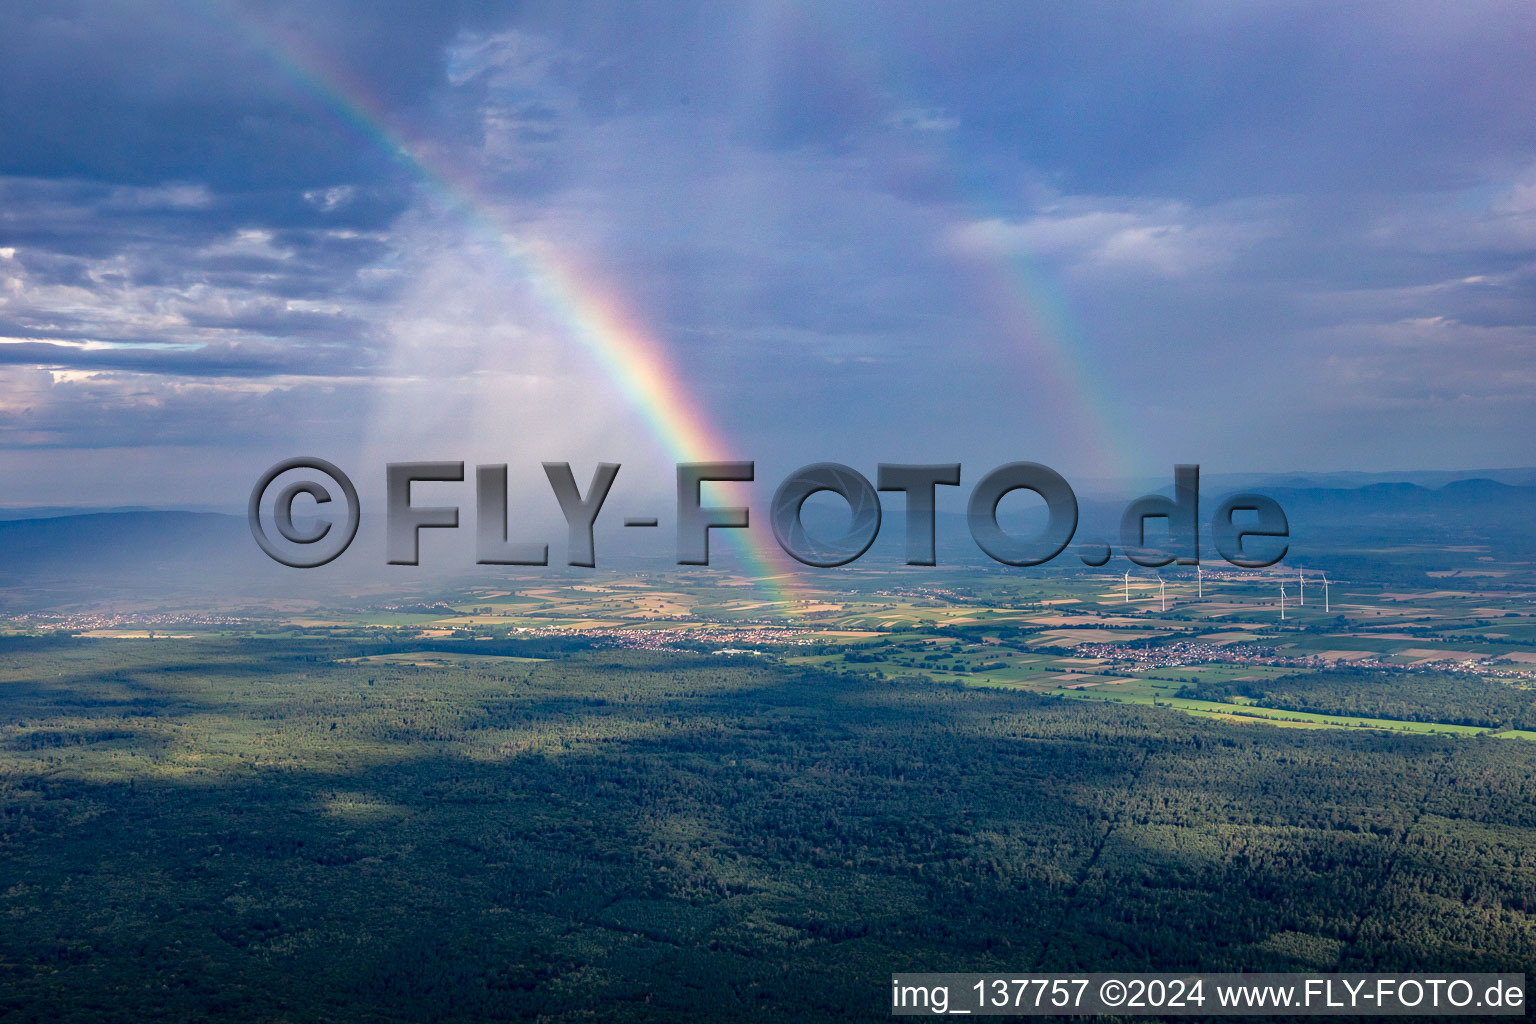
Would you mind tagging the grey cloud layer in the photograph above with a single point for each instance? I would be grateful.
(844, 222)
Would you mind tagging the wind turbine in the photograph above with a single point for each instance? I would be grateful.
(1127, 586)
(1325, 593)
(1162, 591)
(1282, 602)
(1301, 581)
(1199, 581)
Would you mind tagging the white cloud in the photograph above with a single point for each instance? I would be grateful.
(1094, 235)
(517, 84)
(188, 196)
(1492, 218)
(922, 119)
(329, 199)
(1424, 362)
(482, 368)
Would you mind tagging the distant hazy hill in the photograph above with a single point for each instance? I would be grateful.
(1431, 479)
(108, 540)
(1463, 512)
(1399, 523)
(1383, 528)
(162, 555)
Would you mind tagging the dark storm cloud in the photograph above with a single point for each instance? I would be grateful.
(205, 361)
(122, 411)
(177, 280)
(51, 221)
(1202, 100)
(148, 91)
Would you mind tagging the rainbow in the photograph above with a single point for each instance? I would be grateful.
(1031, 317)
(633, 361)
(1028, 313)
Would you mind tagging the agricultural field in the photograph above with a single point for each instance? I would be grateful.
(1157, 639)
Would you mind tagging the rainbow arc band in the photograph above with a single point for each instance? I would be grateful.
(588, 311)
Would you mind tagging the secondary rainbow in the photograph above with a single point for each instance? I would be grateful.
(1028, 313)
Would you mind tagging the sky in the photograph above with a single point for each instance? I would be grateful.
(1259, 237)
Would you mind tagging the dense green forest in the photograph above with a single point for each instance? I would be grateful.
(1459, 698)
(272, 829)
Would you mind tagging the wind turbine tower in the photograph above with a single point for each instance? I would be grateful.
(1162, 591)
(1282, 602)
(1325, 593)
(1301, 581)
(1127, 586)
(1199, 582)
